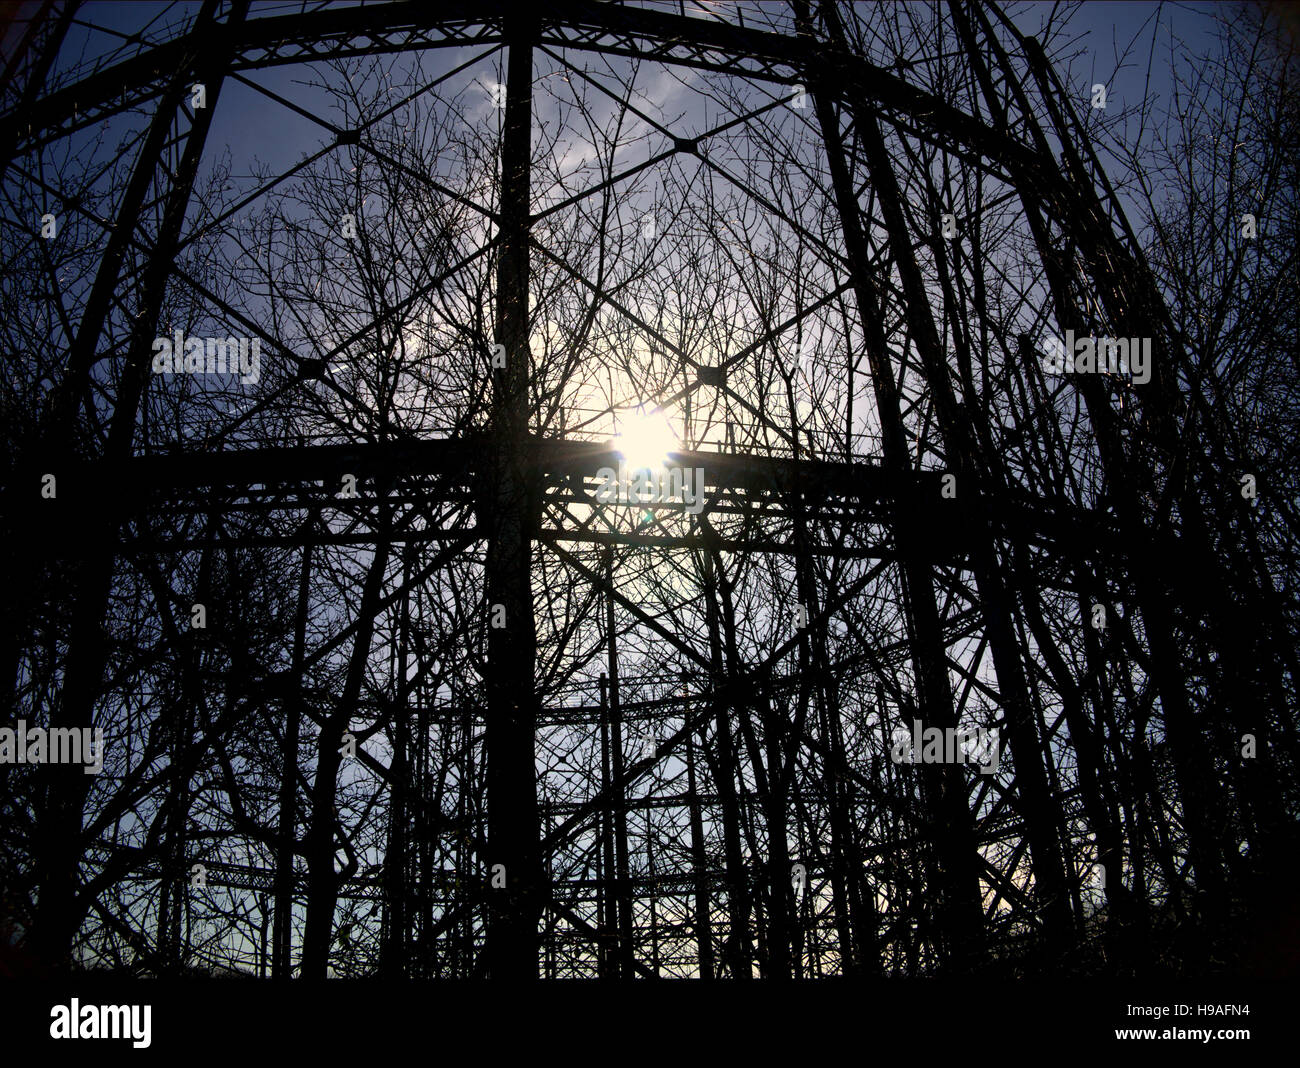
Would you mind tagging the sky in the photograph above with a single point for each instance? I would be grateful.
(1111, 39)
(1112, 43)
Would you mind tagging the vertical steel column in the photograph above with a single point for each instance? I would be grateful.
(618, 808)
(174, 869)
(703, 924)
(738, 948)
(514, 910)
(963, 449)
(854, 923)
(1250, 660)
(393, 951)
(1192, 761)
(59, 910)
(282, 931)
(608, 967)
(653, 893)
(960, 894)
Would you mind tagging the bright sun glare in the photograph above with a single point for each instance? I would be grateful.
(645, 441)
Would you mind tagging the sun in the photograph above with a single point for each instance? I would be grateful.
(645, 440)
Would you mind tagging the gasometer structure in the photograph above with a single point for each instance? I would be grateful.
(516, 491)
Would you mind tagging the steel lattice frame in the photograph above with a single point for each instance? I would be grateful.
(913, 523)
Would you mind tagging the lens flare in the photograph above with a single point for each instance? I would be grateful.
(645, 441)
